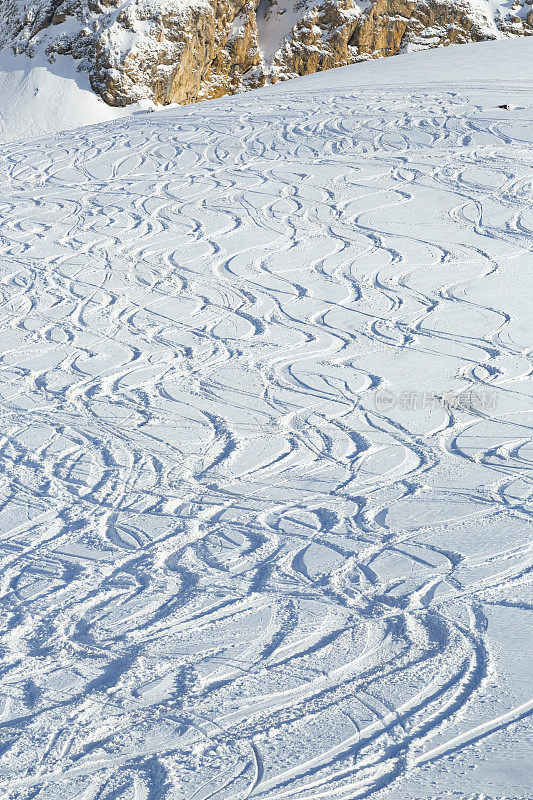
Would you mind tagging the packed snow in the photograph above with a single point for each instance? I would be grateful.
(266, 454)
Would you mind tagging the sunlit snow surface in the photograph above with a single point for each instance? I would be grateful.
(38, 98)
(265, 455)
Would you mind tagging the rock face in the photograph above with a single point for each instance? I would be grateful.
(188, 50)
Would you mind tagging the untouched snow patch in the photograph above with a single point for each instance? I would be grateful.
(38, 98)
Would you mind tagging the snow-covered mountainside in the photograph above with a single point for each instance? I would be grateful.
(265, 443)
(186, 50)
(38, 98)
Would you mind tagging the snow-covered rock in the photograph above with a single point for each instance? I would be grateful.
(186, 50)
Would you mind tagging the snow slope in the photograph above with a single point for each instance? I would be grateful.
(266, 456)
(38, 98)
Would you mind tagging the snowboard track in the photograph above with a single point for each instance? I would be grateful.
(227, 571)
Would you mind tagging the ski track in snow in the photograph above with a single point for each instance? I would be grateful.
(227, 570)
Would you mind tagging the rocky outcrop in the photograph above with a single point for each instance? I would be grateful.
(188, 50)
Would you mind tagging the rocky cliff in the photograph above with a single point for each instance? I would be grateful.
(188, 50)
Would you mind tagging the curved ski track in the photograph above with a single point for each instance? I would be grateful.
(227, 570)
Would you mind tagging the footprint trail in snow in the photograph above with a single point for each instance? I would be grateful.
(265, 455)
